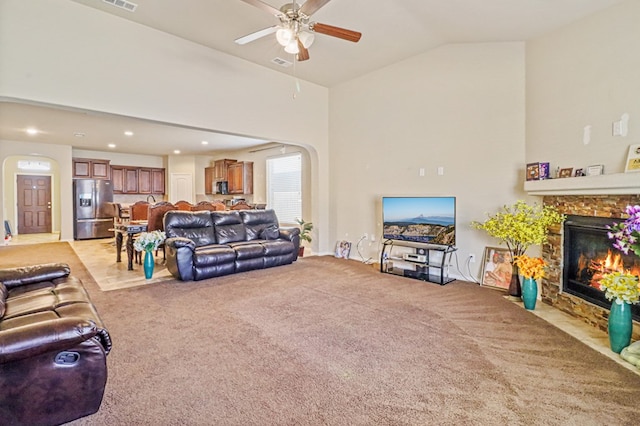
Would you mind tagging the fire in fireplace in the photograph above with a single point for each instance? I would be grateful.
(588, 254)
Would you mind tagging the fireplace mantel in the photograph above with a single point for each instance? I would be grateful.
(617, 183)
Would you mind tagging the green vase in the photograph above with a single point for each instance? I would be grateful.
(620, 326)
(529, 293)
(149, 263)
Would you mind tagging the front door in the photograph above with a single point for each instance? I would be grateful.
(181, 187)
(34, 204)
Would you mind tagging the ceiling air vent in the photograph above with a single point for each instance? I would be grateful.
(281, 62)
(122, 4)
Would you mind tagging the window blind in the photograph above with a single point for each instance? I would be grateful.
(284, 187)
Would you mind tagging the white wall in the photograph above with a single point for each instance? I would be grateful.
(460, 107)
(585, 74)
(64, 53)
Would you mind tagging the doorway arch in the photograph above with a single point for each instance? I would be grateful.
(15, 165)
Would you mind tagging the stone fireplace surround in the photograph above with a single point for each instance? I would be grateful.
(607, 206)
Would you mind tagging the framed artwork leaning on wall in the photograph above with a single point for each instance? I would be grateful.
(496, 268)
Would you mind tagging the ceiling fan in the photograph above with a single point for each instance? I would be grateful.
(295, 31)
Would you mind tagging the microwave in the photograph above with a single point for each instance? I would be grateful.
(222, 187)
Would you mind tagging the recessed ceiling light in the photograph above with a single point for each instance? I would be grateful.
(128, 133)
(112, 145)
(79, 135)
(176, 151)
(205, 143)
(32, 131)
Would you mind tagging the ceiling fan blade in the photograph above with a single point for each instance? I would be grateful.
(303, 53)
(264, 6)
(330, 30)
(311, 6)
(256, 35)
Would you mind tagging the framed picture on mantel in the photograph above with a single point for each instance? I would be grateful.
(565, 173)
(633, 159)
(596, 170)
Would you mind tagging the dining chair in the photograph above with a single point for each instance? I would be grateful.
(241, 206)
(120, 214)
(139, 210)
(208, 205)
(184, 205)
(155, 220)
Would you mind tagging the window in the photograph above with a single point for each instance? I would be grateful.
(284, 187)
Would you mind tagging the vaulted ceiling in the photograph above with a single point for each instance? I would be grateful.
(392, 30)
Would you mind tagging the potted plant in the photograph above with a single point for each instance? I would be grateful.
(519, 226)
(148, 242)
(623, 288)
(532, 269)
(305, 234)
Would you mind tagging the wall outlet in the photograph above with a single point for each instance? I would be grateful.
(373, 237)
(472, 258)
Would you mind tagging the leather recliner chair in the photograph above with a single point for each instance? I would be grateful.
(53, 347)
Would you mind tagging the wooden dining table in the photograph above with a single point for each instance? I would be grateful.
(131, 230)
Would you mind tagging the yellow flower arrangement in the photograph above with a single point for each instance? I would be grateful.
(624, 288)
(530, 267)
(521, 225)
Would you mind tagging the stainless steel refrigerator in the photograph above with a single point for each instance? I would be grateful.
(92, 208)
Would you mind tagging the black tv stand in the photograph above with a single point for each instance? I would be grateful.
(416, 265)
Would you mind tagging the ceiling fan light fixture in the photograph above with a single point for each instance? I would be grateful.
(292, 47)
(306, 39)
(284, 36)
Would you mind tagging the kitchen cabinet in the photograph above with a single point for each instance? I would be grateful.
(209, 181)
(240, 177)
(144, 181)
(117, 179)
(137, 180)
(217, 173)
(157, 181)
(124, 180)
(89, 168)
(221, 169)
(130, 181)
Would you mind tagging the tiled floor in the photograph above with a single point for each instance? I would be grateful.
(590, 336)
(99, 258)
(33, 238)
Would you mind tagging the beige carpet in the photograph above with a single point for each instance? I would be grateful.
(329, 341)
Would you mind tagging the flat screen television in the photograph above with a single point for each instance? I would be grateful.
(430, 220)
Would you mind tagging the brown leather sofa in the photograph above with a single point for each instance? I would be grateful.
(53, 347)
(207, 244)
